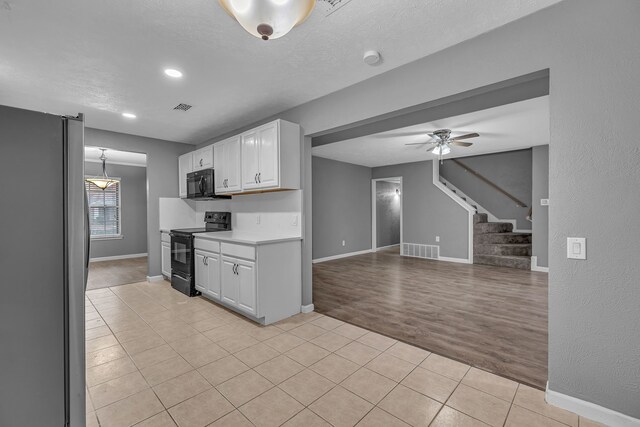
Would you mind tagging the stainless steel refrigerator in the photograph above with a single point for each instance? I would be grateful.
(43, 269)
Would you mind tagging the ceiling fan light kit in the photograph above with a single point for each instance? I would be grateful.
(268, 19)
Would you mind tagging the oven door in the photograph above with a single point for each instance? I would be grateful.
(181, 254)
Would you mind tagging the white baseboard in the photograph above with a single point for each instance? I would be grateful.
(159, 278)
(307, 308)
(458, 260)
(350, 254)
(534, 265)
(590, 410)
(387, 247)
(117, 257)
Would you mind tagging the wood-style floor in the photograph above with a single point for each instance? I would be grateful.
(104, 274)
(491, 317)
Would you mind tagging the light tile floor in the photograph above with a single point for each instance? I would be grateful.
(157, 358)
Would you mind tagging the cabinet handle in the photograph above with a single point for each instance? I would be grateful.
(200, 162)
(259, 177)
(255, 178)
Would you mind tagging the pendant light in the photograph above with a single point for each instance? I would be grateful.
(102, 182)
(268, 19)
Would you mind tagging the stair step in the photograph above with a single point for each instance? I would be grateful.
(497, 238)
(493, 227)
(480, 218)
(510, 249)
(519, 262)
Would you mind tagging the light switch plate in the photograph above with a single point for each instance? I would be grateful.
(437, 239)
(576, 248)
(544, 202)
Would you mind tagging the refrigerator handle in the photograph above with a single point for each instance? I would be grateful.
(87, 246)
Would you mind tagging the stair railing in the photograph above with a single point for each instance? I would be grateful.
(482, 178)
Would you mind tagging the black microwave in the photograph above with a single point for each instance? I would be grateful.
(201, 185)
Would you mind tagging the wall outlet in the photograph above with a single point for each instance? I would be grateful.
(294, 221)
(544, 202)
(437, 238)
(344, 243)
(257, 219)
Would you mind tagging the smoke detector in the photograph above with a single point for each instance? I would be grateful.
(371, 57)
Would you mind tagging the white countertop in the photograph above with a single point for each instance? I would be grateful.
(247, 237)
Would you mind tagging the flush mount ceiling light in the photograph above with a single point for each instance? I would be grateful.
(173, 73)
(129, 115)
(102, 182)
(268, 19)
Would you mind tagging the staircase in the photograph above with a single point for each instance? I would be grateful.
(495, 243)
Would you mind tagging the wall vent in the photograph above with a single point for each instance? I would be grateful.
(182, 107)
(331, 6)
(420, 251)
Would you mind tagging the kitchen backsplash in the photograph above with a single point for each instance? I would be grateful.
(278, 212)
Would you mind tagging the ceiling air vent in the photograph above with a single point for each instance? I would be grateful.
(182, 107)
(331, 6)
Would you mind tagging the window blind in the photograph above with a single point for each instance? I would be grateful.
(104, 210)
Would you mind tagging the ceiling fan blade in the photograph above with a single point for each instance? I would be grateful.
(467, 136)
(419, 143)
(461, 143)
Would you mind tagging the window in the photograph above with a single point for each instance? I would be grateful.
(104, 210)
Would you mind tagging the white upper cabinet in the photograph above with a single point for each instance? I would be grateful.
(203, 158)
(271, 157)
(185, 166)
(228, 165)
(262, 159)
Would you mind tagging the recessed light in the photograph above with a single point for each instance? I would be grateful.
(129, 115)
(173, 73)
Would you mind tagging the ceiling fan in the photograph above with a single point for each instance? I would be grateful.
(442, 140)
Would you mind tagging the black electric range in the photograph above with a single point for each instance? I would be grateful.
(182, 251)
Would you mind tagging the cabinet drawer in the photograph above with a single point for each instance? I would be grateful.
(240, 251)
(165, 238)
(207, 245)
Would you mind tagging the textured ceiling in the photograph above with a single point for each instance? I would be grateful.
(106, 57)
(508, 127)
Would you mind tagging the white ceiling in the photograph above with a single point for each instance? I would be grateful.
(115, 157)
(508, 127)
(106, 57)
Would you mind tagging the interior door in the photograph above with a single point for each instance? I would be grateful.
(269, 155)
(246, 286)
(250, 160)
(213, 274)
(229, 282)
(202, 272)
(220, 166)
(233, 160)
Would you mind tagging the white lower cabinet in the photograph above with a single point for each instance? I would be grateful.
(208, 273)
(261, 281)
(166, 257)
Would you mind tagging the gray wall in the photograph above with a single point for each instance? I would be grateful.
(427, 212)
(593, 304)
(540, 190)
(387, 213)
(162, 177)
(341, 207)
(510, 170)
(133, 211)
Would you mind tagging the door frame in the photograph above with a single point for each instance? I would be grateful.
(374, 231)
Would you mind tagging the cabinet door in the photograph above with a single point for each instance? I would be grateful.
(250, 160)
(202, 274)
(229, 282)
(233, 160)
(220, 167)
(269, 157)
(166, 259)
(203, 158)
(185, 166)
(213, 273)
(246, 286)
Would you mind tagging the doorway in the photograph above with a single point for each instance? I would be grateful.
(386, 213)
